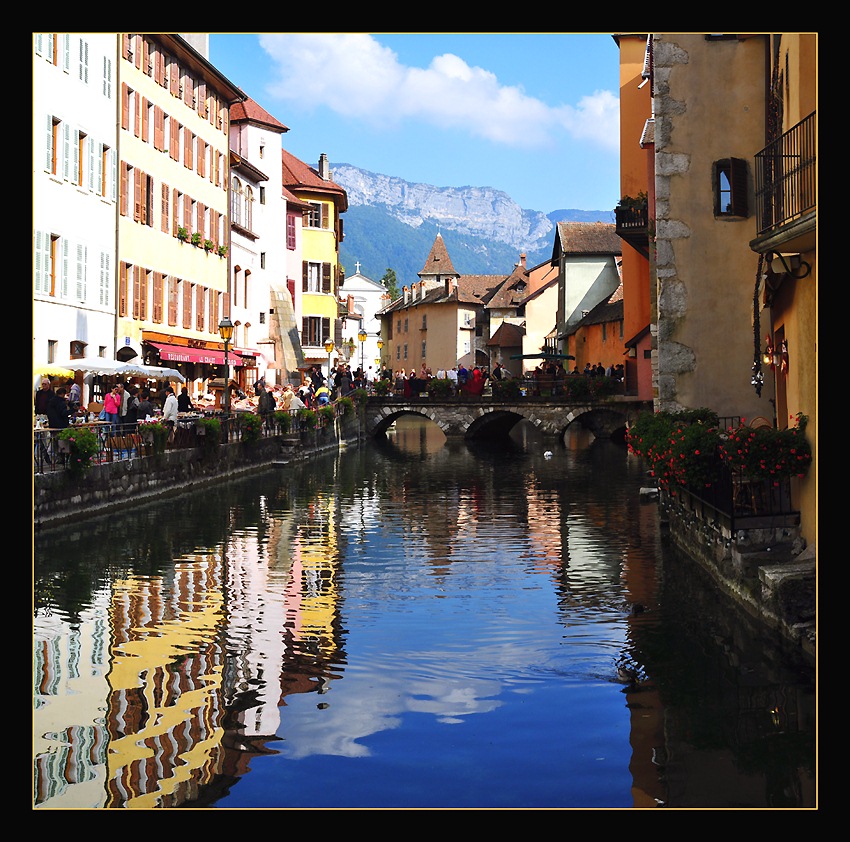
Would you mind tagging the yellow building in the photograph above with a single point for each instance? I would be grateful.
(173, 229)
(321, 273)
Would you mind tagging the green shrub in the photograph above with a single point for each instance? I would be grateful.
(508, 389)
(283, 418)
(327, 414)
(82, 448)
(346, 405)
(439, 388)
(308, 418)
(209, 432)
(382, 387)
(251, 426)
(767, 453)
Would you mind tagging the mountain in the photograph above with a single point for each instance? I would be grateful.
(391, 224)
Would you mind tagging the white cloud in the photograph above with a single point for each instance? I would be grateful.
(355, 76)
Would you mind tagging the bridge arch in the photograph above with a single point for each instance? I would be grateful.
(492, 418)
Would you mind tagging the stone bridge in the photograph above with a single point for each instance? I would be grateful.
(487, 417)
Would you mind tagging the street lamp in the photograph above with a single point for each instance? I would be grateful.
(361, 335)
(380, 345)
(225, 331)
(329, 347)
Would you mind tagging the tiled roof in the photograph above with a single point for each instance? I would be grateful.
(609, 310)
(438, 261)
(511, 291)
(588, 238)
(249, 111)
(507, 335)
(298, 176)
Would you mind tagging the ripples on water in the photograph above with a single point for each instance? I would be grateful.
(409, 624)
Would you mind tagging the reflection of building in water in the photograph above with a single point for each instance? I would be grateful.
(70, 662)
(165, 707)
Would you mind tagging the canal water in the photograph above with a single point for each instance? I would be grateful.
(409, 623)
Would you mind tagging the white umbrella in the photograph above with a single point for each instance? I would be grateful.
(93, 365)
(152, 371)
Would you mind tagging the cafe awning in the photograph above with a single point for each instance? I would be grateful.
(183, 354)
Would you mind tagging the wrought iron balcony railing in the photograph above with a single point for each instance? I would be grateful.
(786, 176)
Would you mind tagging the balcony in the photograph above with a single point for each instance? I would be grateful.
(786, 183)
(632, 226)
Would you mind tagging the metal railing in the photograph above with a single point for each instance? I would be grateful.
(50, 454)
(786, 176)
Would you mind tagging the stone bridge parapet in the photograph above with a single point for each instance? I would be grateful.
(486, 417)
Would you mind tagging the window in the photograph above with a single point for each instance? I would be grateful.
(80, 275)
(107, 77)
(81, 156)
(405, 350)
(424, 322)
(52, 345)
(314, 330)
(249, 207)
(730, 188)
(314, 215)
(262, 260)
(405, 324)
(262, 195)
(312, 276)
(424, 355)
(44, 262)
(236, 201)
(105, 284)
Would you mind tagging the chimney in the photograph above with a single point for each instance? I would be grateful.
(324, 167)
(406, 291)
(522, 260)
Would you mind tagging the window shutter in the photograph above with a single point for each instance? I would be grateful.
(201, 105)
(137, 195)
(48, 146)
(42, 262)
(326, 277)
(125, 45)
(200, 214)
(175, 213)
(174, 139)
(174, 78)
(187, 304)
(738, 181)
(165, 196)
(305, 323)
(187, 213)
(74, 149)
(95, 174)
(66, 151)
(105, 279)
(84, 61)
(325, 216)
(107, 77)
(137, 289)
(172, 301)
(156, 304)
(124, 189)
(137, 115)
(81, 272)
(122, 289)
(304, 276)
(158, 129)
(213, 310)
(65, 268)
(326, 330)
(144, 106)
(125, 106)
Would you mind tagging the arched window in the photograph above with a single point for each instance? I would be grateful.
(236, 199)
(249, 207)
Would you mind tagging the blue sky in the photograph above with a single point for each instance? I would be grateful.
(534, 115)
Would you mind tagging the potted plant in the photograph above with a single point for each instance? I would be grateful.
(154, 434)
(308, 418)
(81, 446)
(196, 238)
(208, 246)
(251, 426)
(209, 429)
(182, 234)
(222, 251)
(382, 388)
(283, 419)
(439, 388)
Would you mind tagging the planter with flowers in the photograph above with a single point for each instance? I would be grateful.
(81, 446)
(250, 426)
(766, 453)
(154, 435)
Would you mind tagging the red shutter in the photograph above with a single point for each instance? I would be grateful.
(123, 198)
(125, 106)
(137, 195)
(175, 211)
(122, 289)
(143, 104)
(137, 117)
(158, 128)
(137, 289)
(156, 308)
(172, 301)
(187, 213)
(200, 213)
(174, 78)
(187, 304)
(165, 194)
(174, 139)
(199, 308)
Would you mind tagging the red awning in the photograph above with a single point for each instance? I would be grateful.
(182, 354)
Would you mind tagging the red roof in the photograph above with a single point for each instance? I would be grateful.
(249, 111)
